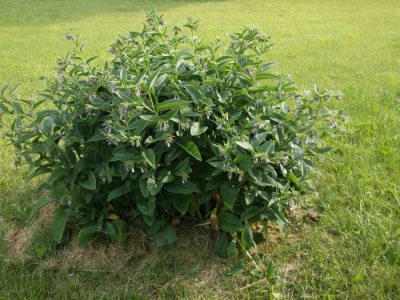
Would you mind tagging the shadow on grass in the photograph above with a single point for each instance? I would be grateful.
(137, 269)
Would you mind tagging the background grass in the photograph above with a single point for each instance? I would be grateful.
(353, 252)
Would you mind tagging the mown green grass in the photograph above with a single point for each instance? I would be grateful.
(353, 252)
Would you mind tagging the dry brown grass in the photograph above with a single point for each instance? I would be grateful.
(139, 251)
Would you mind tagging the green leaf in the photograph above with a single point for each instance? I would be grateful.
(229, 222)
(150, 157)
(165, 236)
(215, 182)
(55, 174)
(60, 221)
(118, 192)
(168, 177)
(3, 90)
(182, 204)
(250, 196)
(152, 186)
(270, 271)
(222, 245)
(48, 125)
(234, 117)
(273, 213)
(190, 147)
(98, 136)
(182, 167)
(122, 73)
(229, 193)
(246, 237)
(220, 164)
(92, 58)
(111, 231)
(40, 203)
(123, 155)
(232, 249)
(150, 118)
(143, 188)
(245, 145)
(177, 187)
(146, 205)
(18, 108)
(252, 214)
(258, 139)
(149, 220)
(121, 229)
(195, 129)
(172, 103)
(322, 150)
(266, 66)
(267, 147)
(90, 183)
(87, 234)
(24, 137)
(152, 78)
(244, 162)
(261, 76)
(194, 91)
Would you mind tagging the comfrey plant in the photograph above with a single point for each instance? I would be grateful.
(171, 127)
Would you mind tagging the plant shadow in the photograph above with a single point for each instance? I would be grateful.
(181, 270)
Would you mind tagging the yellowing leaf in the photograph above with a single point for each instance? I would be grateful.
(112, 217)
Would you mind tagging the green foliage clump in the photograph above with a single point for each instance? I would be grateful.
(172, 126)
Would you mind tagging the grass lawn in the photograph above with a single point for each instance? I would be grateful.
(352, 252)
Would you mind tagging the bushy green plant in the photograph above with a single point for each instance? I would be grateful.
(172, 126)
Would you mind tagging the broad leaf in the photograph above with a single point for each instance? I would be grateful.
(215, 182)
(118, 192)
(232, 249)
(229, 192)
(252, 214)
(152, 78)
(185, 188)
(195, 129)
(111, 231)
(153, 187)
(90, 183)
(323, 150)
(172, 103)
(194, 91)
(190, 147)
(182, 167)
(182, 204)
(55, 174)
(99, 135)
(40, 203)
(87, 234)
(222, 245)
(165, 236)
(60, 221)
(150, 157)
(229, 222)
(246, 237)
(143, 188)
(245, 145)
(146, 206)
